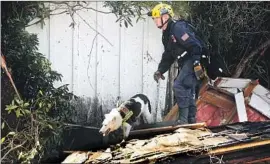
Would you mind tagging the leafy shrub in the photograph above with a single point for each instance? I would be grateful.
(31, 127)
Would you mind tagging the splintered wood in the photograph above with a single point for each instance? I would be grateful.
(161, 146)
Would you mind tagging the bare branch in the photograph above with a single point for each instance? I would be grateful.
(95, 30)
(90, 61)
(104, 12)
(80, 5)
(59, 13)
(71, 9)
(240, 67)
(257, 32)
(12, 149)
(37, 22)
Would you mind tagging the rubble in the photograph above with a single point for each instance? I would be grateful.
(233, 119)
(177, 142)
(230, 100)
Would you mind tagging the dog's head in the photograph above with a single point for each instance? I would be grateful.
(112, 122)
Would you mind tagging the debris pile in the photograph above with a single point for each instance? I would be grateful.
(161, 146)
(230, 100)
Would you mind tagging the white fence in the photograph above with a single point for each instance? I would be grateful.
(98, 58)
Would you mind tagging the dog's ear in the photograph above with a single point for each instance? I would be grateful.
(127, 103)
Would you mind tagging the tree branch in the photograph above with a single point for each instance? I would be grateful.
(240, 67)
(80, 5)
(16, 147)
(104, 12)
(71, 9)
(94, 29)
(258, 32)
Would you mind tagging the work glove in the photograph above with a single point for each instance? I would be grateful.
(157, 76)
(199, 73)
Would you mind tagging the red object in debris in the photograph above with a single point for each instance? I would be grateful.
(220, 101)
(210, 114)
(252, 115)
(215, 116)
(216, 105)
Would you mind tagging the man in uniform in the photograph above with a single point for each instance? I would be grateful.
(180, 43)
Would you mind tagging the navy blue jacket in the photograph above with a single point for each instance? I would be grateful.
(177, 38)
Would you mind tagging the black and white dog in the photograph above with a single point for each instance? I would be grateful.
(126, 115)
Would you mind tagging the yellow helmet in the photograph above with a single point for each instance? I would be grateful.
(160, 10)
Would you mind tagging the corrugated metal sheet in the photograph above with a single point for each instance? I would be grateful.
(119, 64)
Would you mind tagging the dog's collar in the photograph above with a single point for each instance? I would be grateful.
(125, 113)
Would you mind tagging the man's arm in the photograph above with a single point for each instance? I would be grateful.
(187, 39)
(165, 62)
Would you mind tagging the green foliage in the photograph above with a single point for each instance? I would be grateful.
(36, 131)
(125, 10)
(30, 69)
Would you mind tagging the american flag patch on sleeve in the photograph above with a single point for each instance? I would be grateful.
(185, 37)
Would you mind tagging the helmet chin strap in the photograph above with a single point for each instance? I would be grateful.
(162, 23)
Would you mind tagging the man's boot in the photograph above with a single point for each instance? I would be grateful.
(182, 116)
(192, 114)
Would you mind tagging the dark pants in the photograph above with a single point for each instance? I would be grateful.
(186, 88)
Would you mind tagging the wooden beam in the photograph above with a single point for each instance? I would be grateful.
(218, 99)
(238, 147)
(217, 81)
(168, 128)
(204, 86)
(259, 160)
(248, 90)
(173, 114)
(241, 107)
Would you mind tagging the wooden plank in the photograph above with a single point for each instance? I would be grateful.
(262, 92)
(249, 89)
(167, 128)
(259, 160)
(238, 147)
(231, 90)
(204, 86)
(173, 114)
(241, 107)
(225, 82)
(260, 105)
(218, 99)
